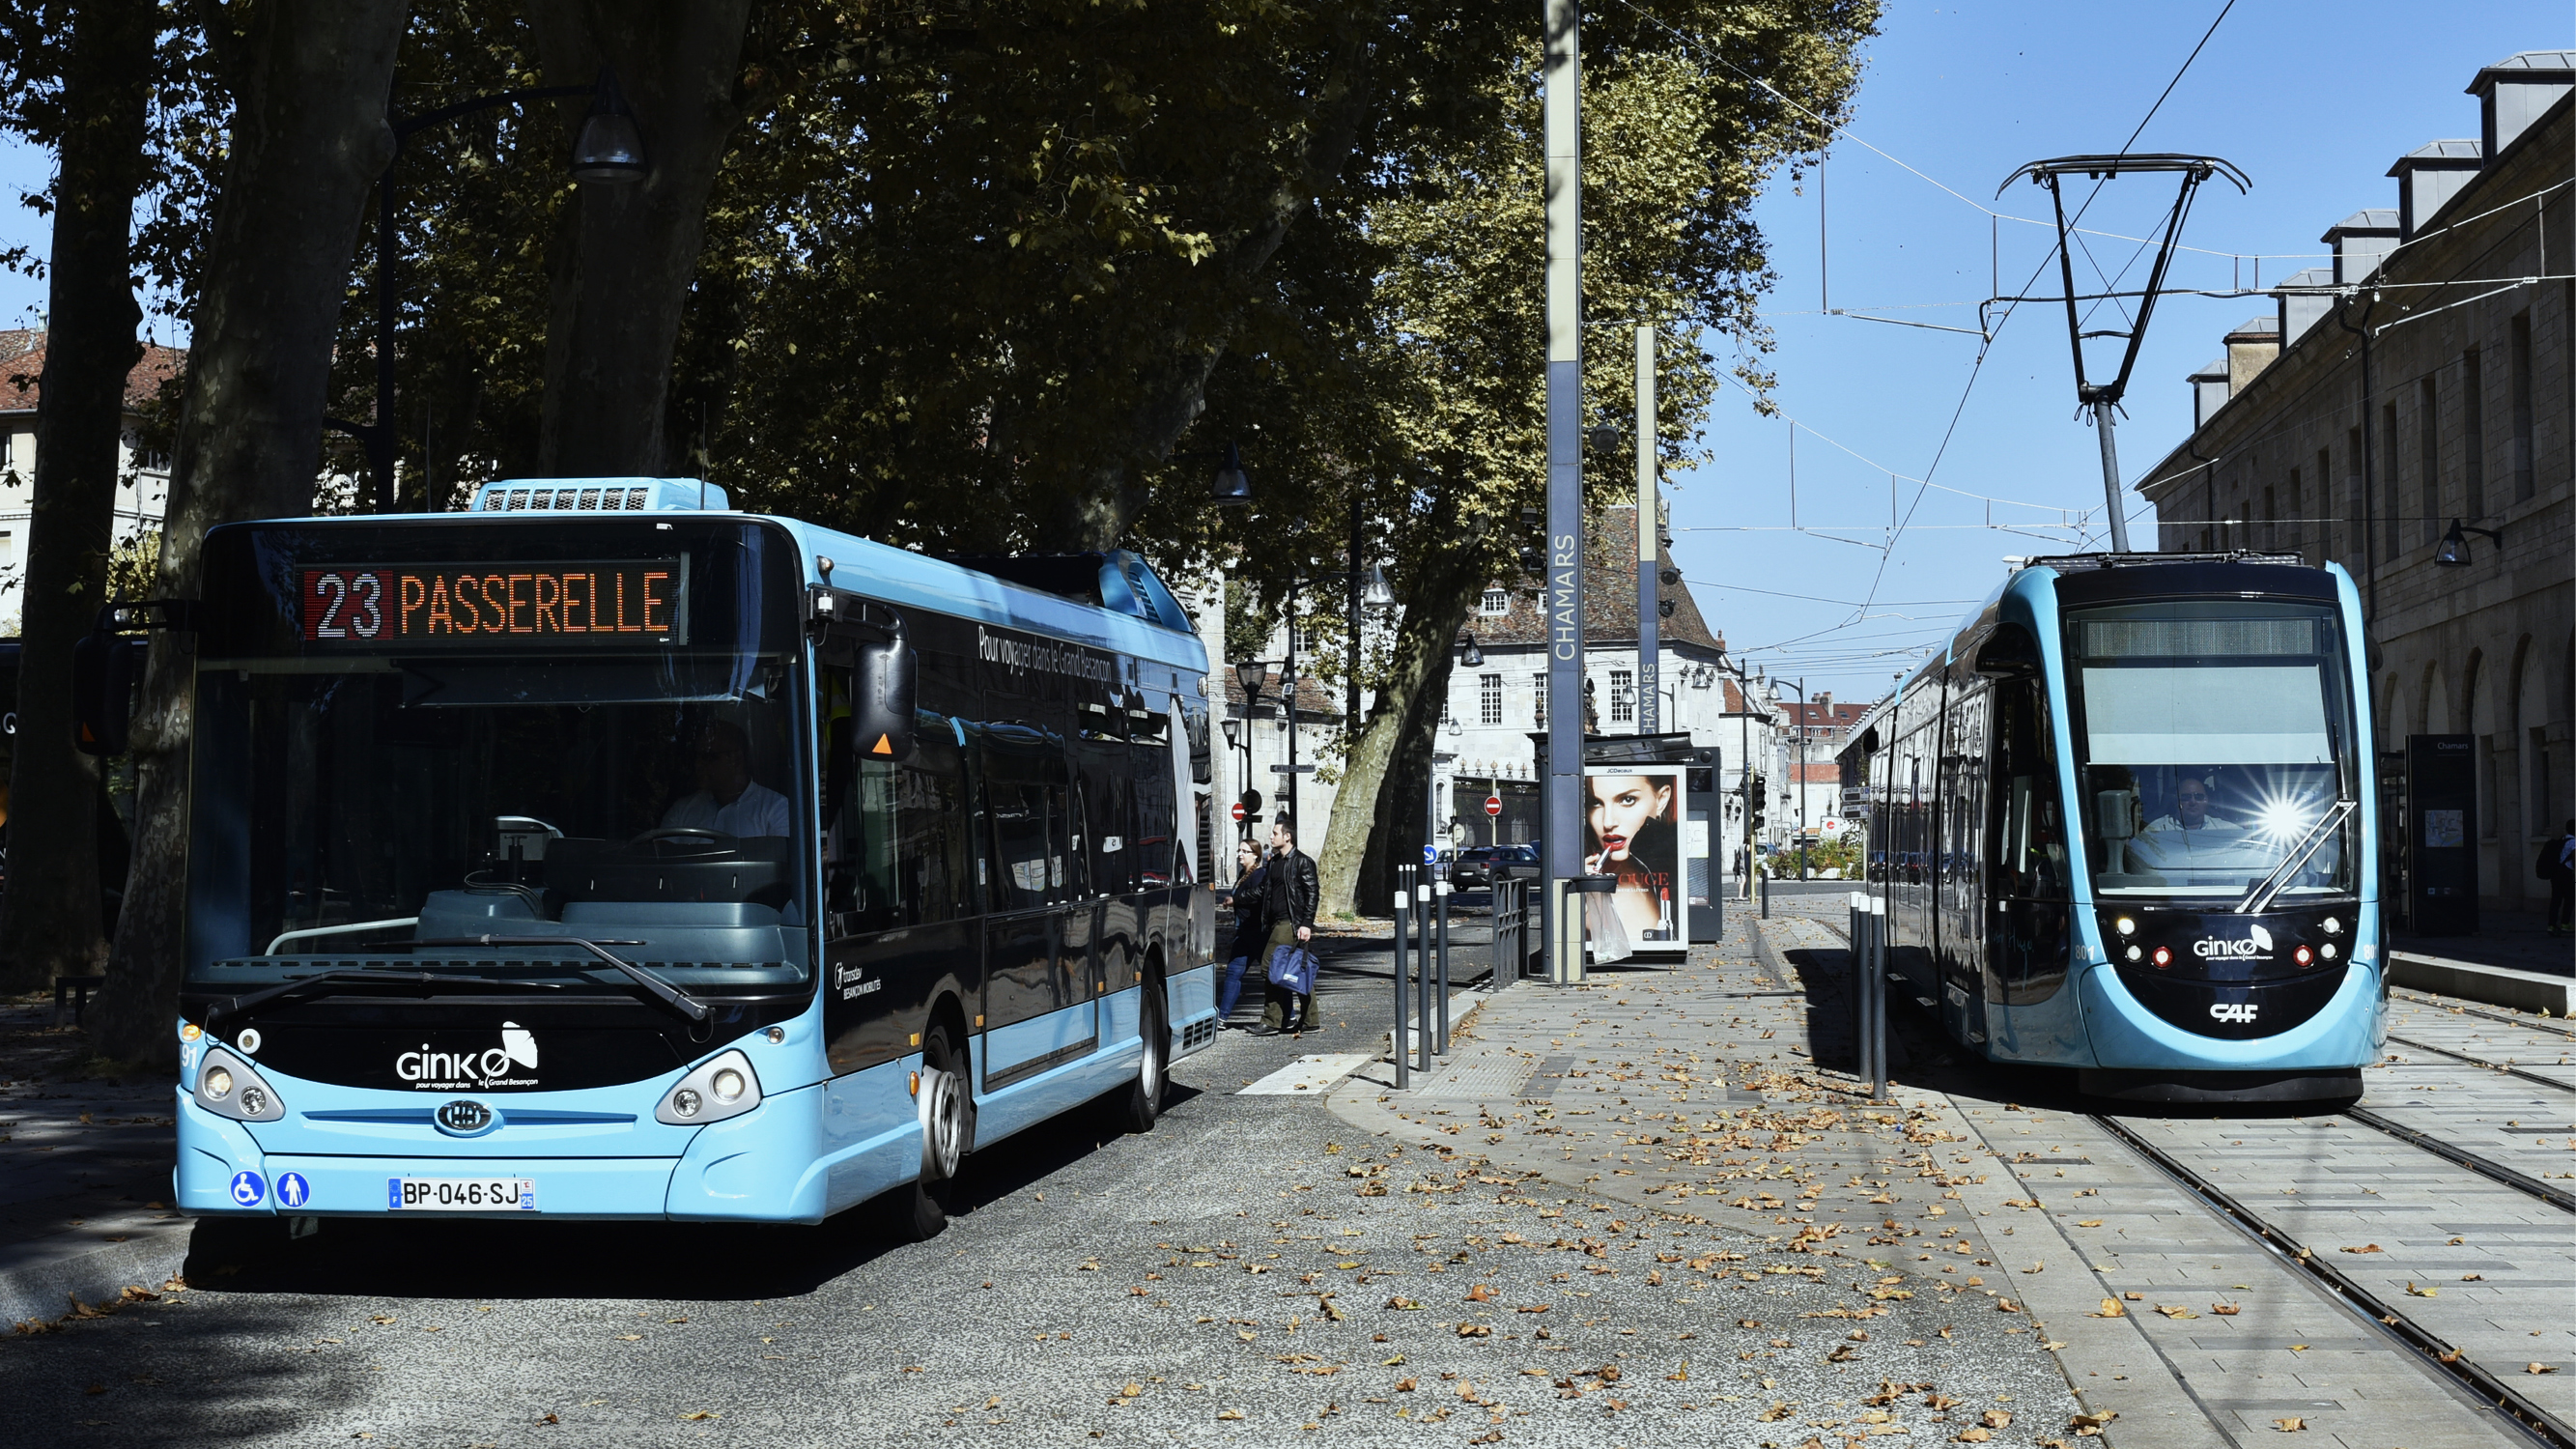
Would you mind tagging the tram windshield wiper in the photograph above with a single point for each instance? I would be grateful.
(654, 986)
(2260, 894)
(235, 1006)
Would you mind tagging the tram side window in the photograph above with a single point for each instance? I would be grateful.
(2030, 845)
(902, 854)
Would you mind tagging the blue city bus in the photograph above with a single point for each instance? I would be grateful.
(601, 852)
(2125, 823)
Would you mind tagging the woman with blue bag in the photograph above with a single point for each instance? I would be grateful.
(1251, 932)
(1289, 892)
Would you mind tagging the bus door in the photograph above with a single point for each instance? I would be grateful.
(1103, 806)
(899, 900)
(1039, 1006)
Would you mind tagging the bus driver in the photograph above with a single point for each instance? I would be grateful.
(728, 800)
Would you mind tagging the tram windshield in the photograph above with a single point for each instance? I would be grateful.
(356, 800)
(2215, 741)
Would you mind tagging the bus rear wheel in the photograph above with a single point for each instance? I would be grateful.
(1144, 1099)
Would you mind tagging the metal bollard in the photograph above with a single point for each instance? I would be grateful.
(1766, 897)
(1397, 1045)
(1874, 999)
(1440, 895)
(1422, 976)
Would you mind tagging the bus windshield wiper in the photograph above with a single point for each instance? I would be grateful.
(659, 989)
(235, 1006)
(2261, 893)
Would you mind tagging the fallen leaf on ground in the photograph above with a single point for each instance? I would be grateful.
(2110, 1309)
(2175, 1310)
(700, 1414)
(1996, 1418)
(2225, 1310)
(2289, 1426)
(2366, 1248)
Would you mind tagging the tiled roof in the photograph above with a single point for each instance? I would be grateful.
(1609, 597)
(22, 362)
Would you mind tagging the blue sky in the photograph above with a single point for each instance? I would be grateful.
(2312, 100)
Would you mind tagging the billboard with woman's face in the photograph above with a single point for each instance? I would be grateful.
(1632, 831)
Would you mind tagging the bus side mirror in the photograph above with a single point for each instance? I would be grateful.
(2115, 814)
(881, 709)
(105, 667)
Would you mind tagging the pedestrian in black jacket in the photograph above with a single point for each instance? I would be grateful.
(1251, 929)
(1289, 892)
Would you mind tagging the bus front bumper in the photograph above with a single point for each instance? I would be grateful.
(759, 1167)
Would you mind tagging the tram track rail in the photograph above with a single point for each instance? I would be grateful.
(2437, 1352)
(2460, 1156)
(2447, 1004)
(2503, 1068)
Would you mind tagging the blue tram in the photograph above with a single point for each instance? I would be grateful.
(602, 852)
(2124, 824)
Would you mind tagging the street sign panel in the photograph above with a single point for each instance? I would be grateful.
(1493, 804)
(1833, 826)
(1239, 812)
(1292, 769)
(1431, 855)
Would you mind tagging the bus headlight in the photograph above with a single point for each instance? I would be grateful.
(230, 1087)
(724, 1086)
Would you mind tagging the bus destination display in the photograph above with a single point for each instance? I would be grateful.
(626, 602)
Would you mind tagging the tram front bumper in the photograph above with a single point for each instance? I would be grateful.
(759, 1167)
(2341, 1036)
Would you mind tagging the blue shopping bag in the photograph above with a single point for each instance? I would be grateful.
(1292, 968)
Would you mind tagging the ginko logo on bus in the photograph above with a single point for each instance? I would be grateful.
(2258, 947)
(434, 1070)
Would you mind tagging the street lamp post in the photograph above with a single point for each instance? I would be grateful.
(1798, 772)
(609, 150)
(1247, 673)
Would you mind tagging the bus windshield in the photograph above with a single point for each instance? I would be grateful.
(354, 804)
(2215, 741)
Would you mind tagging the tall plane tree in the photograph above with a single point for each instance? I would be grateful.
(307, 82)
(82, 77)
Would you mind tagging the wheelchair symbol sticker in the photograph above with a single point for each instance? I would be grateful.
(248, 1189)
(292, 1190)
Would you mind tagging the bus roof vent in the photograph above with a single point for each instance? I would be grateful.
(598, 495)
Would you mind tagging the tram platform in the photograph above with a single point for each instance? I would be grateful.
(2054, 1244)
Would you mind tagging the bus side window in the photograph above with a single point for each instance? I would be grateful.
(2030, 850)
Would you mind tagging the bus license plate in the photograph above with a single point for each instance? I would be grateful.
(461, 1194)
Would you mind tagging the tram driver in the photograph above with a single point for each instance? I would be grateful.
(2190, 836)
(728, 801)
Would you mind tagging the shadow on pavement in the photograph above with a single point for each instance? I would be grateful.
(485, 1258)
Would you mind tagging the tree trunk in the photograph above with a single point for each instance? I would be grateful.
(50, 925)
(1351, 865)
(309, 82)
(623, 268)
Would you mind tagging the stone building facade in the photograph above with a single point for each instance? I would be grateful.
(2426, 383)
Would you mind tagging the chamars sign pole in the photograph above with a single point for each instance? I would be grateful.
(1564, 850)
(1650, 531)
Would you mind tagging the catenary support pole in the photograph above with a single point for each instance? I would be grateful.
(1563, 849)
(1650, 529)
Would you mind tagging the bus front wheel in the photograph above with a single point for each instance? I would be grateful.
(944, 1107)
(1144, 1101)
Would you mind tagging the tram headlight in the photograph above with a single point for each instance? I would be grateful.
(2327, 950)
(721, 1087)
(2136, 952)
(2126, 927)
(230, 1087)
(2164, 957)
(2303, 956)
(2331, 925)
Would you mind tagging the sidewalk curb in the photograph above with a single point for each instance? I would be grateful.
(2508, 986)
(48, 1274)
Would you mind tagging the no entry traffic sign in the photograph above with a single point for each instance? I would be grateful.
(1493, 804)
(1238, 812)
